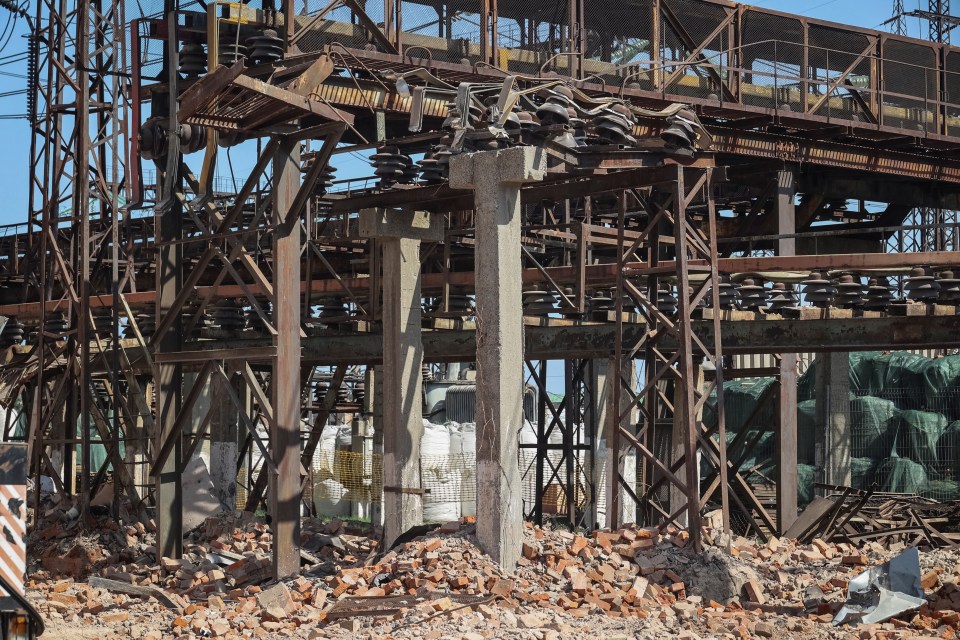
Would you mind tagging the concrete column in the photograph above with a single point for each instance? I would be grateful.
(224, 451)
(373, 406)
(600, 396)
(787, 431)
(496, 177)
(285, 425)
(833, 437)
(399, 234)
(620, 459)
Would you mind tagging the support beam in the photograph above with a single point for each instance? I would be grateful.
(285, 426)
(833, 437)
(597, 416)
(399, 234)
(620, 459)
(496, 178)
(169, 377)
(787, 431)
(225, 449)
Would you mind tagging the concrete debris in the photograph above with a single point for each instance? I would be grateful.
(634, 582)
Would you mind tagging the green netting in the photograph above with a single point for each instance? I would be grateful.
(863, 472)
(942, 490)
(901, 374)
(806, 431)
(807, 383)
(948, 449)
(874, 422)
(762, 454)
(900, 475)
(861, 370)
(918, 434)
(740, 400)
(941, 378)
(900, 413)
(806, 475)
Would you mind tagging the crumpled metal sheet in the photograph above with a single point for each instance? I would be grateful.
(884, 591)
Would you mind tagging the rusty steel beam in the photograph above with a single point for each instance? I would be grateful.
(596, 274)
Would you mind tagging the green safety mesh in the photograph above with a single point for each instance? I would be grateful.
(904, 417)
(900, 475)
(874, 424)
(918, 435)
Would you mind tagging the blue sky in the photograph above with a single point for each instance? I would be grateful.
(15, 133)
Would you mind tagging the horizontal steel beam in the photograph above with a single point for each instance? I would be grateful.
(596, 340)
(596, 275)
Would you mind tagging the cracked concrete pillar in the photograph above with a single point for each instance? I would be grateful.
(495, 178)
(833, 438)
(400, 233)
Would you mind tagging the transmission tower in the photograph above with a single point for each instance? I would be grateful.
(940, 22)
(926, 229)
(899, 22)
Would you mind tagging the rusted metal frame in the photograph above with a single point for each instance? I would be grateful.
(313, 22)
(336, 276)
(124, 480)
(744, 508)
(183, 415)
(637, 403)
(698, 295)
(66, 275)
(696, 53)
(864, 107)
(651, 312)
(371, 26)
(563, 297)
(42, 414)
(685, 362)
(576, 411)
(228, 354)
(851, 513)
(131, 319)
(203, 427)
(688, 41)
(235, 240)
(734, 466)
(653, 459)
(582, 232)
(244, 418)
(292, 100)
(539, 376)
(662, 211)
(80, 346)
(52, 473)
(332, 134)
(248, 292)
(187, 290)
(285, 493)
(652, 379)
(260, 395)
(837, 82)
(735, 38)
(542, 391)
(615, 479)
(323, 413)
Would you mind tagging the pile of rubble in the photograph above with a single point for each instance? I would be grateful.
(640, 581)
